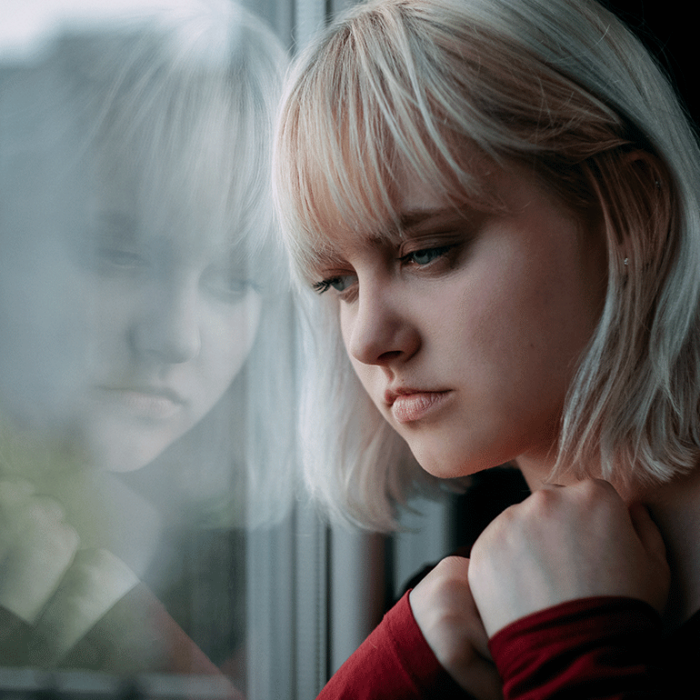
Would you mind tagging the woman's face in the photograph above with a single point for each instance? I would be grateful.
(467, 335)
(114, 337)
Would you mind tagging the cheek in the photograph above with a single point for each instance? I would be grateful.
(227, 338)
(528, 300)
(346, 322)
(117, 307)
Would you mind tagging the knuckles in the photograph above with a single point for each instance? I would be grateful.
(564, 543)
(452, 570)
(586, 500)
(444, 589)
(552, 519)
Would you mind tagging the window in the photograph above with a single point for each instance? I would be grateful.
(151, 539)
(147, 520)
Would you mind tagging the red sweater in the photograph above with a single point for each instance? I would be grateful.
(394, 662)
(597, 648)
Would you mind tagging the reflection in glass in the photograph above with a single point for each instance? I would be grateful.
(145, 344)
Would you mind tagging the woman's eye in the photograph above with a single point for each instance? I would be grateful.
(114, 260)
(114, 246)
(120, 258)
(340, 283)
(426, 255)
(228, 285)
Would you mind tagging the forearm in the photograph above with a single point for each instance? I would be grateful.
(393, 663)
(605, 648)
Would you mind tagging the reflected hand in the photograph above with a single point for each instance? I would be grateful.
(36, 548)
(565, 543)
(444, 609)
(96, 580)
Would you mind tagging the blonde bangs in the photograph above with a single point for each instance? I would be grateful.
(353, 131)
(398, 91)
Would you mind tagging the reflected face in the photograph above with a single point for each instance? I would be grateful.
(467, 334)
(112, 335)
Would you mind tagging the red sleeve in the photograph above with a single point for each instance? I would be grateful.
(603, 648)
(393, 663)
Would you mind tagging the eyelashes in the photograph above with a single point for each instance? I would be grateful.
(339, 283)
(421, 258)
(425, 256)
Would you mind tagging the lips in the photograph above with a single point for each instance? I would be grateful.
(147, 402)
(411, 405)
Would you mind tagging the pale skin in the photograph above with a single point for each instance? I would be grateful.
(566, 543)
(444, 608)
(519, 293)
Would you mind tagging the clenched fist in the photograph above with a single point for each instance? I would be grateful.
(36, 548)
(444, 609)
(564, 543)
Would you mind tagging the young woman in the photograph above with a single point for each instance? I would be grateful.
(142, 310)
(497, 201)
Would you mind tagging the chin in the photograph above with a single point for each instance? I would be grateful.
(127, 457)
(449, 467)
(116, 446)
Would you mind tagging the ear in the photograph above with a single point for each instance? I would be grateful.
(644, 206)
(646, 168)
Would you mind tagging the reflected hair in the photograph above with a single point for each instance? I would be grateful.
(180, 106)
(432, 89)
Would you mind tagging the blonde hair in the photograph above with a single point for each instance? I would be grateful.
(417, 86)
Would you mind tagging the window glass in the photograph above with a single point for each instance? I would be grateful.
(147, 459)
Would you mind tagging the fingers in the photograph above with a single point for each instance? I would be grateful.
(446, 614)
(36, 549)
(92, 585)
(564, 543)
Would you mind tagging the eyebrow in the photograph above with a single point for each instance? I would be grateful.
(327, 259)
(117, 227)
(415, 218)
(409, 223)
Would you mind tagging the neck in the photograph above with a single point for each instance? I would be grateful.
(675, 507)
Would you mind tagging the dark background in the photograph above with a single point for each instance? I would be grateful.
(669, 28)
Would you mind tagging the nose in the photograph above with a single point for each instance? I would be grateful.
(167, 329)
(379, 330)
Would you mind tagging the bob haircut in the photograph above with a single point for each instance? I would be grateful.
(180, 107)
(416, 88)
